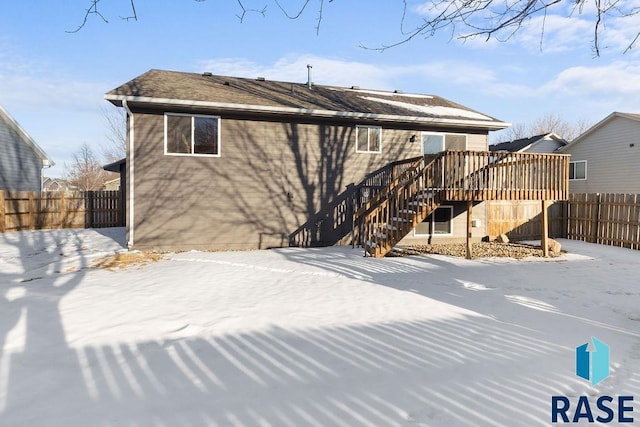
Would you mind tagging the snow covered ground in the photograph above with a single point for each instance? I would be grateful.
(296, 337)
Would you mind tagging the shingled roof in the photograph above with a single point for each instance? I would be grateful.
(522, 143)
(225, 93)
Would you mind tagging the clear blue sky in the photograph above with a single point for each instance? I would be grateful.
(53, 82)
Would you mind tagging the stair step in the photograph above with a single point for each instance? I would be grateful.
(426, 195)
(380, 235)
(370, 244)
(398, 219)
(417, 203)
(390, 227)
(407, 211)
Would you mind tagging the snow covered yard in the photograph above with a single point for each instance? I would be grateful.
(295, 337)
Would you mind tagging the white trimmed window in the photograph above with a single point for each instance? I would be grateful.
(191, 135)
(578, 170)
(368, 139)
(439, 223)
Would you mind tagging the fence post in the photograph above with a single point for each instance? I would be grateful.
(3, 207)
(596, 231)
(31, 206)
(88, 217)
(544, 241)
(469, 229)
(63, 210)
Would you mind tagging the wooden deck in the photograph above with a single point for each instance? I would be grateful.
(478, 176)
(471, 176)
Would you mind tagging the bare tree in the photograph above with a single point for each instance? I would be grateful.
(542, 125)
(501, 19)
(115, 120)
(86, 171)
(498, 19)
(558, 125)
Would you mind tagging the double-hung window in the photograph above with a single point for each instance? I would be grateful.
(368, 139)
(578, 170)
(191, 135)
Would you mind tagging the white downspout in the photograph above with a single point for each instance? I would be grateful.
(130, 162)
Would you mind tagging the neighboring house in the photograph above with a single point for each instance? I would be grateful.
(545, 143)
(57, 184)
(112, 184)
(22, 160)
(217, 162)
(605, 158)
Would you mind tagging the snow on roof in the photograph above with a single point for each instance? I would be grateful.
(431, 109)
(383, 93)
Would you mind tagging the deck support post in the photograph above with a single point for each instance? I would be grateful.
(469, 225)
(544, 241)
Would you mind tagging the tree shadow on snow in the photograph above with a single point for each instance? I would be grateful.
(40, 269)
(380, 374)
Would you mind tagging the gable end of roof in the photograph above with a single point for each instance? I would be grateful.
(9, 121)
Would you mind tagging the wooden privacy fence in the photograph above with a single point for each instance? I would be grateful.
(28, 210)
(609, 219)
(606, 218)
(522, 220)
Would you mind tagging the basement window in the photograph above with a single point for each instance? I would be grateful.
(191, 135)
(440, 223)
(368, 139)
(578, 170)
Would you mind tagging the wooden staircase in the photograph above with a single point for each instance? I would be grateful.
(472, 176)
(402, 205)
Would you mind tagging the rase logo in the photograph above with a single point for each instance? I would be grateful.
(592, 364)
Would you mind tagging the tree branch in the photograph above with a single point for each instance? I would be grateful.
(498, 19)
(134, 15)
(92, 10)
(246, 10)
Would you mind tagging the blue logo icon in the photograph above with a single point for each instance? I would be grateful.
(592, 362)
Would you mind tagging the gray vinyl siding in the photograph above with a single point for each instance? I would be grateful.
(20, 166)
(271, 178)
(613, 165)
(477, 142)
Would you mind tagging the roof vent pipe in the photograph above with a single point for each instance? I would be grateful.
(309, 83)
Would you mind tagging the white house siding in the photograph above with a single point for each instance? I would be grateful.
(612, 153)
(545, 145)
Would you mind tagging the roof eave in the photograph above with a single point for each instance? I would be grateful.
(598, 125)
(310, 112)
(114, 166)
(46, 160)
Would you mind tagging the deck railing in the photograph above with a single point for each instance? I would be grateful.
(455, 176)
(483, 175)
(333, 222)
